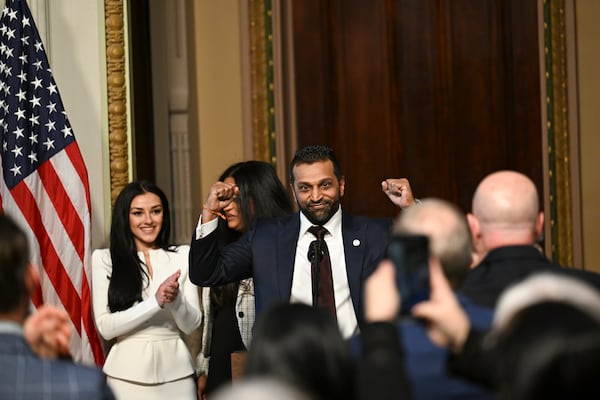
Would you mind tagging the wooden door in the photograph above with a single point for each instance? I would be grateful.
(441, 92)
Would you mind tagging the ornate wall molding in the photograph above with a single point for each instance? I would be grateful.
(269, 82)
(261, 80)
(117, 96)
(558, 132)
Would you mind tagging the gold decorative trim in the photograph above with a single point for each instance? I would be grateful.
(258, 81)
(117, 98)
(555, 48)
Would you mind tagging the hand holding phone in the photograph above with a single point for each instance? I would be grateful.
(410, 255)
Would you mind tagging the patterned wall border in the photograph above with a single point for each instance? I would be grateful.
(117, 96)
(558, 152)
(261, 80)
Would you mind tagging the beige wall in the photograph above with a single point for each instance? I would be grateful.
(588, 59)
(217, 87)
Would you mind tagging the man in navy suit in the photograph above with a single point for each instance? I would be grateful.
(274, 251)
(24, 375)
(424, 362)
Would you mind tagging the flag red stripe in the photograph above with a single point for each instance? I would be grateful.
(89, 325)
(54, 269)
(74, 154)
(65, 210)
(37, 297)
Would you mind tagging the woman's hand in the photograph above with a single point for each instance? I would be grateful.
(201, 386)
(168, 290)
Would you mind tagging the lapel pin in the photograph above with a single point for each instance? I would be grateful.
(356, 243)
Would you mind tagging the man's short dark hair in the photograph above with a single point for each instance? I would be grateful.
(312, 154)
(14, 261)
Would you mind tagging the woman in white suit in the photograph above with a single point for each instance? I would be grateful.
(142, 297)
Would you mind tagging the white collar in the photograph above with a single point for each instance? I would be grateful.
(333, 225)
(7, 326)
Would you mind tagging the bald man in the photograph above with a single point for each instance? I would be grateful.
(505, 222)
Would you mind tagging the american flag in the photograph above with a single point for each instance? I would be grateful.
(44, 181)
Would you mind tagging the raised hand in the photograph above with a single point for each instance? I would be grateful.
(219, 197)
(168, 290)
(399, 191)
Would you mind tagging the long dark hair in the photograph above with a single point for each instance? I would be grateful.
(302, 346)
(261, 192)
(261, 195)
(127, 277)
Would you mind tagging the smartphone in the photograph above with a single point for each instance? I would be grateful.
(410, 255)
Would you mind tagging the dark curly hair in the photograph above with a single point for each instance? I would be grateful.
(312, 154)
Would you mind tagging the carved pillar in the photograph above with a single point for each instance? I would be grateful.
(261, 81)
(559, 86)
(117, 98)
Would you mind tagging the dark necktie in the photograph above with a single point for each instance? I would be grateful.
(321, 271)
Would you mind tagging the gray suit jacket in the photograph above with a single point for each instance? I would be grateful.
(25, 376)
(268, 250)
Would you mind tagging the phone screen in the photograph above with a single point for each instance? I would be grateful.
(410, 255)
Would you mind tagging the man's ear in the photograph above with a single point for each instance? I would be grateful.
(474, 226)
(342, 185)
(539, 224)
(32, 279)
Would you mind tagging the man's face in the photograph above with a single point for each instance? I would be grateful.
(317, 190)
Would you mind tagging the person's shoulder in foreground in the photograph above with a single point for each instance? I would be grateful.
(24, 374)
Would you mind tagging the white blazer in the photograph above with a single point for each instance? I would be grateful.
(148, 347)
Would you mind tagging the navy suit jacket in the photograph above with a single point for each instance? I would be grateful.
(507, 265)
(25, 376)
(267, 253)
(425, 362)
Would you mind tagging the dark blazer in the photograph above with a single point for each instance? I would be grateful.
(26, 376)
(425, 362)
(267, 253)
(381, 372)
(507, 265)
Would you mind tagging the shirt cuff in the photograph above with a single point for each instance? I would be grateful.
(203, 230)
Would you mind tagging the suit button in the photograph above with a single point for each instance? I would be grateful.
(241, 314)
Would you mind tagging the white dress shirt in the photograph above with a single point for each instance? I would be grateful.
(302, 281)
